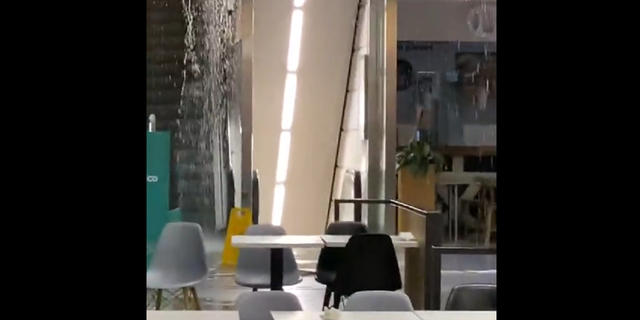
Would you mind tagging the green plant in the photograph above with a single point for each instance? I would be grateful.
(418, 157)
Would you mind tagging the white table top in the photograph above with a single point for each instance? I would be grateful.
(192, 315)
(456, 315)
(315, 315)
(277, 241)
(311, 315)
(341, 241)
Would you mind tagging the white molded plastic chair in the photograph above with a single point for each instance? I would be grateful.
(253, 269)
(179, 262)
(378, 301)
(258, 305)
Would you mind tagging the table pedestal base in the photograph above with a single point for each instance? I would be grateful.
(277, 269)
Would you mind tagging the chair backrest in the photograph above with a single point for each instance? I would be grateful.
(473, 297)
(180, 251)
(174, 215)
(346, 228)
(370, 264)
(378, 301)
(330, 258)
(265, 230)
(258, 305)
(259, 259)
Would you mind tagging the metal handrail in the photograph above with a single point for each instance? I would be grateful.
(357, 193)
(434, 234)
(395, 203)
(465, 250)
(433, 238)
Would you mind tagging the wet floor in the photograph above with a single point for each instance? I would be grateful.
(219, 291)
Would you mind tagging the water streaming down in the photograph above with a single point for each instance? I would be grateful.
(209, 95)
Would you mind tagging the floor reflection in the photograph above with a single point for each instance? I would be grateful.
(220, 291)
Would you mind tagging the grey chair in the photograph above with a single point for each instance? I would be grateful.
(179, 262)
(378, 301)
(473, 297)
(258, 305)
(253, 269)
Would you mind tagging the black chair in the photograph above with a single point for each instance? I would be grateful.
(370, 263)
(330, 258)
(472, 297)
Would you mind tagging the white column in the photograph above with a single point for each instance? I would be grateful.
(298, 97)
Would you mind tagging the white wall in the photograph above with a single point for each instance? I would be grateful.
(436, 20)
(327, 32)
(272, 19)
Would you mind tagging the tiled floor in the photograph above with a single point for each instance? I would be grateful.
(220, 291)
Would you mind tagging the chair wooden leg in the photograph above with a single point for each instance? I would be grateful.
(194, 296)
(186, 298)
(158, 299)
(327, 297)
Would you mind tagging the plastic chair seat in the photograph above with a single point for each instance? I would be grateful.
(258, 305)
(263, 281)
(379, 301)
(473, 297)
(159, 280)
(326, 277)
(180, 259)
(253, 269)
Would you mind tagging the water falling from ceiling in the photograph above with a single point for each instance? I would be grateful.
(209, 95)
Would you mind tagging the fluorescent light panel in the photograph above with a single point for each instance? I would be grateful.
(283, 156)
(289, 101)
(293, 57)
(278, 204)
(288, 105)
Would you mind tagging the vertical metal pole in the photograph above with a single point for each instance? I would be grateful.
(455, 213)
(437, 261)
(152, 123)
(357, 194)
(391, 57)
(246, 101)
(432, 265)
(450, 212)
(255, 197)
(375, 114)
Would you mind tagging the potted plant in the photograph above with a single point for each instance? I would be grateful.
(417, 165)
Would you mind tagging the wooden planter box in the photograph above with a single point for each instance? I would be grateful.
(419, 192)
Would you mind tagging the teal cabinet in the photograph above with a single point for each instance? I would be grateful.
(158, 173)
